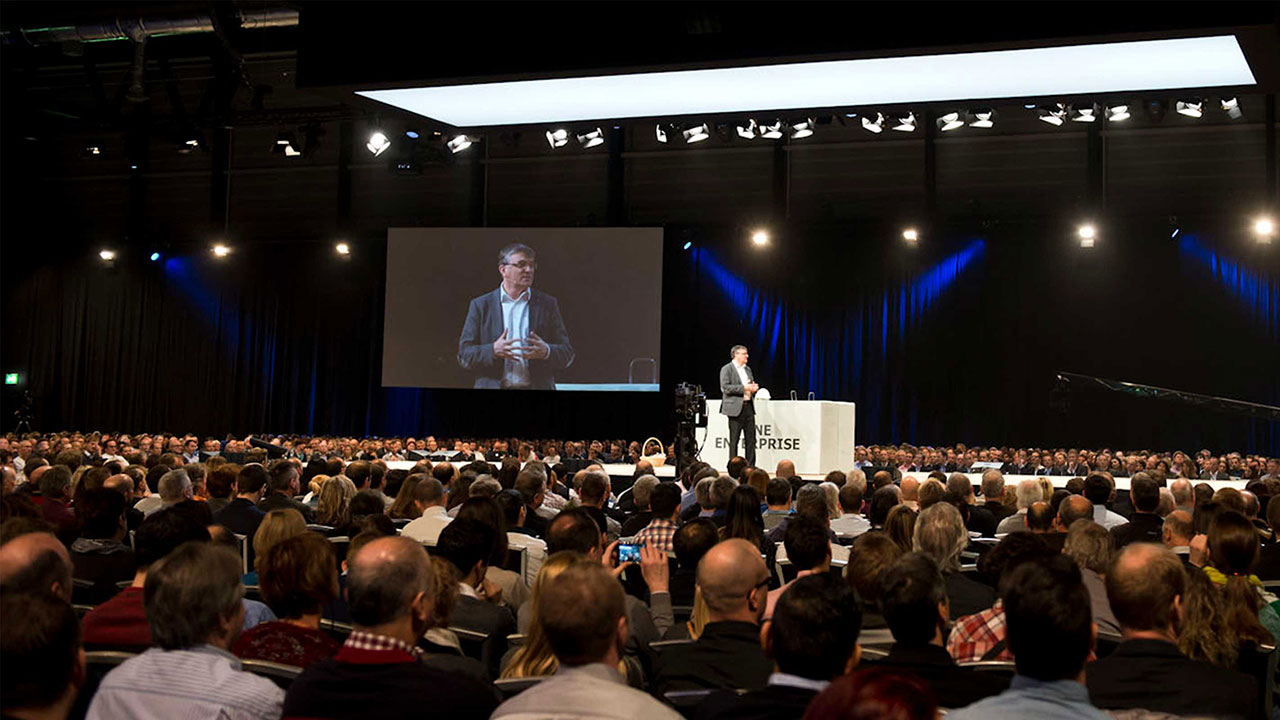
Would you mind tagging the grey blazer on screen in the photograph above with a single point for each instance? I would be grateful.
(484, 326)
(731, 389)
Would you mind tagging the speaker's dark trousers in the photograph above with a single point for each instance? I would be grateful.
(745, 423)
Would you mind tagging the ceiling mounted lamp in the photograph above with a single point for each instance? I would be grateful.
(1084, 113)
(1117, 113)
(748, 131)
(802, 129)
(660, 133)
(950, 121)
(558, 138)
(696, 134)
(1190, 108)
(458, 144)
(378, 143)
(92, 150)
(905, 122)
(771, 132)
(591, 139)
(1231, 106)
(873, 123)
(1055, 114)
(982, 118)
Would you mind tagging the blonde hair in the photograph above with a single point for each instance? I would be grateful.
(700, 616)
(317, 482)
(276, 526)
(335, 498)
(535, 658)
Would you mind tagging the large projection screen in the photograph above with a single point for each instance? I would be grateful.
(571, 309)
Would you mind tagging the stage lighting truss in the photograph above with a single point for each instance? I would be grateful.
(905, 122)
(591, 139)
(1192, 107)
(873, 123)
(558, 138)
(1231, 106)
(802, 129)
(378, 143)
(950, 121)
(982, 118)
(696, 133)
(1054, 114)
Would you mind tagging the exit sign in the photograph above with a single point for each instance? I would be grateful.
(11, 378)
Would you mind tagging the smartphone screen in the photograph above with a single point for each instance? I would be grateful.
(628, 553)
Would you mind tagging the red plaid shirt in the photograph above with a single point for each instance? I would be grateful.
(360, 640)
(657, 534)
(974, 635)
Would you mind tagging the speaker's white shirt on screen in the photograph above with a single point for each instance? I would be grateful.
(515, 318)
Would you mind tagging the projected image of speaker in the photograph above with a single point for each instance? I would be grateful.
(523, 309)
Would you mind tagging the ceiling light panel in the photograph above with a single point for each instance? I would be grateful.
(1068, 70)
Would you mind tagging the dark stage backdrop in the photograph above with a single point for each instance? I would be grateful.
(959, 339)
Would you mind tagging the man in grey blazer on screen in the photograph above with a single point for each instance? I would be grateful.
(514, 338)
(737, 388)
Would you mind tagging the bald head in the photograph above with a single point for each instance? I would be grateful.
(910, 489)
(1177, 529)
(1183, 495)
(36, 563)
(122, 484)
(1144, 583)
(730, 576)
(786, 469)
(386, 578)
(1073, 508)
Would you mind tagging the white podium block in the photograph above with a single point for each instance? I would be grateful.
(817, 435)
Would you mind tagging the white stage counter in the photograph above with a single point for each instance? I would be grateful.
(613, 469)
(817, 435)
(1060, 481)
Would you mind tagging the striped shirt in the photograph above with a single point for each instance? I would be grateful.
(198, 683)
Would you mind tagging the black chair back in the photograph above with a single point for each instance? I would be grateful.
(511, 687)
(686, 702)
(280, 674)
(1001, 668)
(1107, 644)
(488, 649)
(514, 560)
(1259, 662)
(97, 664)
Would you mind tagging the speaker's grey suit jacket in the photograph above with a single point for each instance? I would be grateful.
(731, 389)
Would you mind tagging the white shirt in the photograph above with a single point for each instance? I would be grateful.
(535, 553)
(515, 321)
(427, 528)
(850, 525)
(1106, 518)
(742, 374)
(193, 684)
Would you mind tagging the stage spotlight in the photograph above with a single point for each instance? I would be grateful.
(905, 123)
(660, 133)
(1264, 228)
(771, 132)
(460, 143)
(760, 237)
(591, 139)
(688, 244)
(950, 121)
(378, 143)
(1190, 108)
(910, 235)
(411, 134)
(221, 250)
(873, 123)
(1087, 234)
(155, 256)
(1055, 114)
(1231, 106)
(287, 145)
(1117, 113)
(91, 150)
(342, 249)
(982, 118)
(188, 143)
(1084, 113)
(558, 138)
(107, 255)
(748, 131)
(697, 133)
(802, 129)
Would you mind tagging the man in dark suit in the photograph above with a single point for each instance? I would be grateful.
(812, 639)
(914, 599)
(1145, 587)
(727, 655)
(467, 544)
(1144, 524)
(282, 487)
(514, 337)
(737, 388)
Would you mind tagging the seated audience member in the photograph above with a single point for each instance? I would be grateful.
(900, 526)
(582, 611)
(1040, 519)
(123, 484)
(594, 493)
(532, 486)
(875, 692)
(913, 599)
(443, 650)
(777, 497)
(220, 484)
(468, 544)
(1166, 504)
(403, 506)
(574, 530)
(883, 500)
(242, 515)
(1176, 534)
(514, 590)
(1144, 524)
(993, 494)
(99, 554)
(980, 519)
(1232, 552)
(850, 523)
(733, 578)
(664, 504)
(1028, 492)
(429, 497)
(535, 550)
(690, 543)
(122, 622)
(1072, 508)
(333, 506)
(54, 501)
(982, 636)
(810, 503)
(941, 535)
(173, 487)
(534, 658)
(813, 639)
(44, 664)
(870, 555)
(640, 494)
(702, 506)
(1089, 545)
(298, 577)
(378, 670)
(194, 611)
(1146, 585)
(366, 507)
(282, 487)
(1051, 635)
(785, 470)
(1098, 489)
(1268, 567)
(32, 560)
(276, 526)
(742, 518)
(910, 489)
